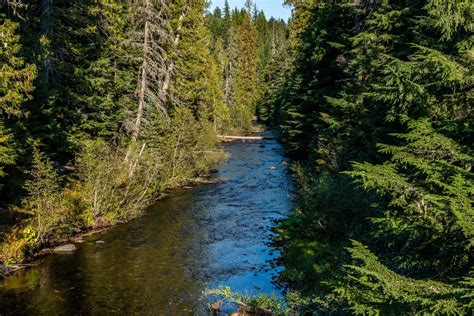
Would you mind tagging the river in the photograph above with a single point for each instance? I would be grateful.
(162, 263)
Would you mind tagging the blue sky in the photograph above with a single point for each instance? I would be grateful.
(273, 8)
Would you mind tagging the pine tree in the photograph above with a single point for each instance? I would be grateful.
(108, 78)
(43, 200)
(7, 153)
(375, 289)
(230, 70)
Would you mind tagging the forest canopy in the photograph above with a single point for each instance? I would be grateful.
(375, 101)
(107, 105)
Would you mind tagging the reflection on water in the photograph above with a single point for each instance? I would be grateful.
(162, 263)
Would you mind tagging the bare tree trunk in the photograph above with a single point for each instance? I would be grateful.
(15, 6)
(226, 84)
(169, 67)
(156, 39)
(47, 31)
(143, 76)
(273, 39)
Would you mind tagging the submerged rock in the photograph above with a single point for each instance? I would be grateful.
(65, 248)
(217, 306)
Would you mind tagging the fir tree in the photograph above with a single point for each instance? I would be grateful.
(17, 76)
(197, 82)
(246, 93)
(16, 86)
(427, 184)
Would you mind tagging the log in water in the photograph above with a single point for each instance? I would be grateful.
(228, 138)
(212, 235)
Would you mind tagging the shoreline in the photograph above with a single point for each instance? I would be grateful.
(33, 259)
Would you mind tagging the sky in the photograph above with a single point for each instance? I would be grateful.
(273, 8)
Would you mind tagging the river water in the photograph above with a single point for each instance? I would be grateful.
(162, 263)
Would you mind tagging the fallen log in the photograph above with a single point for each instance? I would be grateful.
(228, 137)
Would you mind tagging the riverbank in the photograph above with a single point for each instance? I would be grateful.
(80, 233)
(193, 240)
(108, 184)
(75, 233)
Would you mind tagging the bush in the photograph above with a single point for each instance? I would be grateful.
(261, 304)
(115, 183)
(131, 177)
(44, 196)
(13, 248)
(112, 183)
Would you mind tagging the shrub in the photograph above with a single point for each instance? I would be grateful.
(44, 195)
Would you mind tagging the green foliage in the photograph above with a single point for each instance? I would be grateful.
(374, 289)
(243, 42)
(246, 81)
(252, 304)
(85, 59)
(197, 84)
(116, 188)
(120, 187)
(16, 75)
(7, 154)
(16, 86)
(43, 201)
(428, 186)
(314, 239)
(12, 250)
(358, 75)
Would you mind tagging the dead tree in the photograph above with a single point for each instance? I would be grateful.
(14, 5)
(155, 37)
(47, 31)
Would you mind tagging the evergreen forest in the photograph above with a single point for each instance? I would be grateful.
(108, 105)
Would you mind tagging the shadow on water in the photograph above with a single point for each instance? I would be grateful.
(163, 262)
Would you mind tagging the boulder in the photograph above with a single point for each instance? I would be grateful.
(65, 248)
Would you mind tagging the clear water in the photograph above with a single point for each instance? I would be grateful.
(162, 263)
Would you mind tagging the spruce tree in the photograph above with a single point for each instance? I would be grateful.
(196, 84)
(246, 92)
(427, 185)
(17, 76)
(16, 87)
(359, 75)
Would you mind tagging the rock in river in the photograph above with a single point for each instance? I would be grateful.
(65, 248)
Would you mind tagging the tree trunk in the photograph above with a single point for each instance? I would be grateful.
(143, 75)
(47, 31)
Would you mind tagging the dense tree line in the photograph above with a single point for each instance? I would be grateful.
(105, 105)
(243, 42)
(375, 99)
